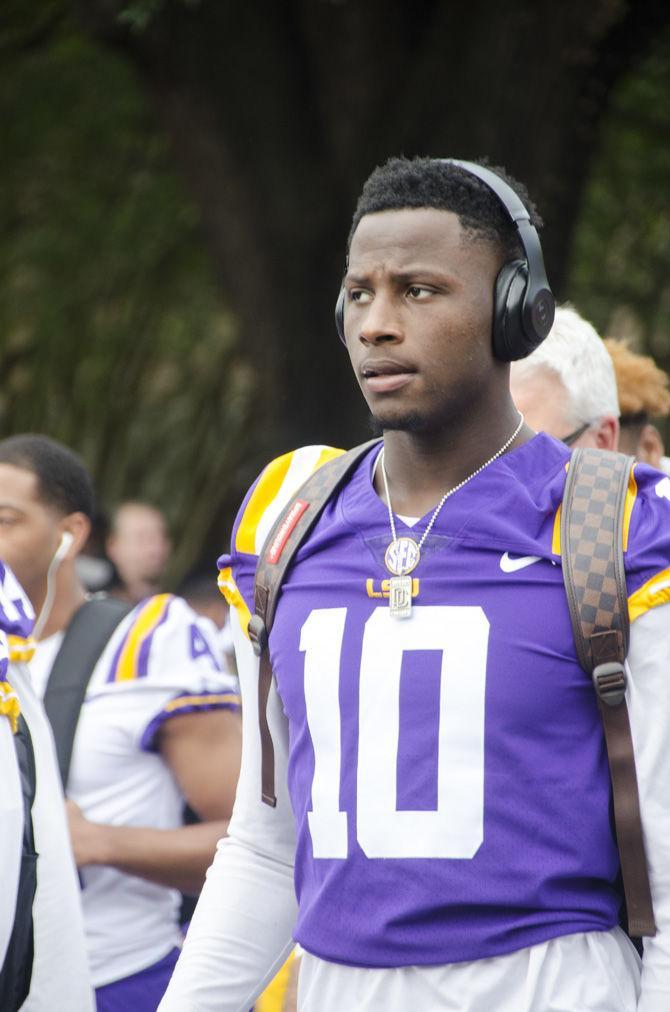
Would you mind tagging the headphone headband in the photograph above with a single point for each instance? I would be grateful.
(510, 200)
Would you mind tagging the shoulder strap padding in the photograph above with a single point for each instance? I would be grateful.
(592, 519)
(592, 554)
(289, 531)
(85, 639)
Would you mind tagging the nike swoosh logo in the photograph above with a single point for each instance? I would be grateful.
(509, 565)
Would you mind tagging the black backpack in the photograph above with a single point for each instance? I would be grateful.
(85, 638)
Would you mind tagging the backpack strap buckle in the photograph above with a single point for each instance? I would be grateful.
(610, 682)
(258, 634)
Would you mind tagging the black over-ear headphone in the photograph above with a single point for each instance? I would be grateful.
(523, 305)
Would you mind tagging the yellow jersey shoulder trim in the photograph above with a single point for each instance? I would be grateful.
(279, 481)
(145, 623)
(230, 591)
(21, 650)
(206, 699)
(631, 496)
(556, 536)
(266, 490)
(9, 705)
(652, 593)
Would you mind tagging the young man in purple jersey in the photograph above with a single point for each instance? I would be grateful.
(441, 837)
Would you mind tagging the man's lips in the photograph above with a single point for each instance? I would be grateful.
(385, 375)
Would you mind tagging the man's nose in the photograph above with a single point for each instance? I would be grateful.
(380, 322)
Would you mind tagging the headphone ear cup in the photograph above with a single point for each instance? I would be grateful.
(339, 316)
(509, 338)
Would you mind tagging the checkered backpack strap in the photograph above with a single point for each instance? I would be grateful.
(285, 538)
(592, 517)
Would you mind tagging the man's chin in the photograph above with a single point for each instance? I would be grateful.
(410, 421)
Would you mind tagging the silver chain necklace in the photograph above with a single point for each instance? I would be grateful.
(403, 554)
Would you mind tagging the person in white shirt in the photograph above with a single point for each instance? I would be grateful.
(159, 727)
(60, 977)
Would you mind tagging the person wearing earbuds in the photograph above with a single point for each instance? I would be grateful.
(424, 802)
(158, 727)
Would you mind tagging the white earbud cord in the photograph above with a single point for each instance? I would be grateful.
(48, 603)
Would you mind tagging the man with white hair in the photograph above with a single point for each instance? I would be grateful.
(567, 387)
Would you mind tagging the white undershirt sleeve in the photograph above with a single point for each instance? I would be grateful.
(649, 707)
(241, 929)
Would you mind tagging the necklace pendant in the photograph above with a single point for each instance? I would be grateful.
(400, 596)
(402, 556)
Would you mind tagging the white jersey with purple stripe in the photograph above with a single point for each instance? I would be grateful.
(447, 771)
(160, 662)
(16, 614)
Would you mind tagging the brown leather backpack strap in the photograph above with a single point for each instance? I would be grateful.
(285, 538)
(592, 517)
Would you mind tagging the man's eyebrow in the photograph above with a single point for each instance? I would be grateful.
(406, 274)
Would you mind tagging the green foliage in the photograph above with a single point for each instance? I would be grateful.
(139, 13)
(25, 24)
(114, 338)
(620, 275)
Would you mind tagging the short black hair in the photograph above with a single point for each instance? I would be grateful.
(62, 479)
(432, 182)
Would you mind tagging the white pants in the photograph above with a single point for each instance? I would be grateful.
(593, 972)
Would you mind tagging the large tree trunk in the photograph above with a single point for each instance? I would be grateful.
(278, 111)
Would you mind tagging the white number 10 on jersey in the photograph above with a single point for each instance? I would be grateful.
(455, 829)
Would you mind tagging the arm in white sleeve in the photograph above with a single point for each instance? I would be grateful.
(241, 930)
(649, 707)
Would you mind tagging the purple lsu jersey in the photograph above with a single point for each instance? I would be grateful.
(447, 771)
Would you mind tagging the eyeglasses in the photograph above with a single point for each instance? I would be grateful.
(572, 437)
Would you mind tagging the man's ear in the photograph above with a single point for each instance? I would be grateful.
(607, 433)
(78, 526)
(650, 446)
